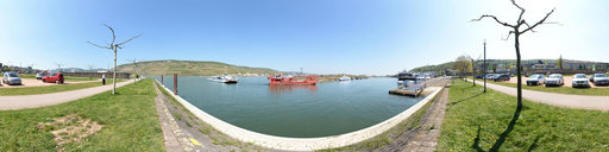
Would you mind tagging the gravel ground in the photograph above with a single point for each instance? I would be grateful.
(36, 83)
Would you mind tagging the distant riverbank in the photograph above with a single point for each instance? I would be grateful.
(334, 77)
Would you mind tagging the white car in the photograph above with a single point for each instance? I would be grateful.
(580, 80)
(11, 78)
(536, 79)
(600, 79)
(39, 75)
(555, 80)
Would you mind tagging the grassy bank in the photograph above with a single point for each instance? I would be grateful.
(50, 88)
(475, 122)
(129, 120)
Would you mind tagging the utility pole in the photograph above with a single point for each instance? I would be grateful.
(484, 66)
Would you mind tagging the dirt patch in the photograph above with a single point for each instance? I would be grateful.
(70, 128)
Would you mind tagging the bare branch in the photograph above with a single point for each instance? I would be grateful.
(493, 17)
(528, 26)
(113, 35)
(508, 36)
(521, 11)
(134, 37)
(540, 21)
(99, 46)
(555, 23)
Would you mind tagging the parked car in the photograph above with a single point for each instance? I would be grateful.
(479, 76)
(600, 79)
(555, 80)
(11, 78)
(39, 75)
(502, 77)
(580, 80)
(490, 76)
(536, 79)
(53, 78)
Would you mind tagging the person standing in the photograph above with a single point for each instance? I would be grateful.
(103, 79)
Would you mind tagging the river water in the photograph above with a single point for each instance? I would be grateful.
(325, 109)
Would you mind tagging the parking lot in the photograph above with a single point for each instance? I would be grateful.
(28, 82)
(568, 82)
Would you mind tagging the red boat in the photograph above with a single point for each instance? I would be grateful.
(280, 80)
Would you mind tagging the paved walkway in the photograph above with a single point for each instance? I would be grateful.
(427, 135)
(556, 99)
(41, 100)
(176, 140)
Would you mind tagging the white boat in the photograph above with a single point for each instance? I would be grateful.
(344, 78)
(224, 79)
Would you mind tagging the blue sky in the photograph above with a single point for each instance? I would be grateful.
(322, 36)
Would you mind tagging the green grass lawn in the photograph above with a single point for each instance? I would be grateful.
(475, 121)
(28, 76)
(72, 79)
(49, 89)
(130, 123)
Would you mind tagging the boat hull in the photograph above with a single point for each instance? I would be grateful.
(310, 80)
(293, 83)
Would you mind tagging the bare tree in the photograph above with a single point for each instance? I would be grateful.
(114, 47)
(521, 27)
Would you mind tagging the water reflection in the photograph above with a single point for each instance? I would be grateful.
(278, 89)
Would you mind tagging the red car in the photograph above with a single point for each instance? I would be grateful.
(53, 78)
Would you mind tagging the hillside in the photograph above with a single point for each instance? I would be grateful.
(195, 68)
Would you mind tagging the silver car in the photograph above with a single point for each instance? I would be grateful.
(536, 79)
(580, 80)
(600, 79)
(555, 80)
(11, 78)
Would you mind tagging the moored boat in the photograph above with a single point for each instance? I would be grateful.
(289, 80)
(224, 79)
(344, 78)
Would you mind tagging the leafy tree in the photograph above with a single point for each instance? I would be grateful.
(463, 65)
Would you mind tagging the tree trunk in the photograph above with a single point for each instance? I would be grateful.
(484, 67)
(114, 72)
(518, 69)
